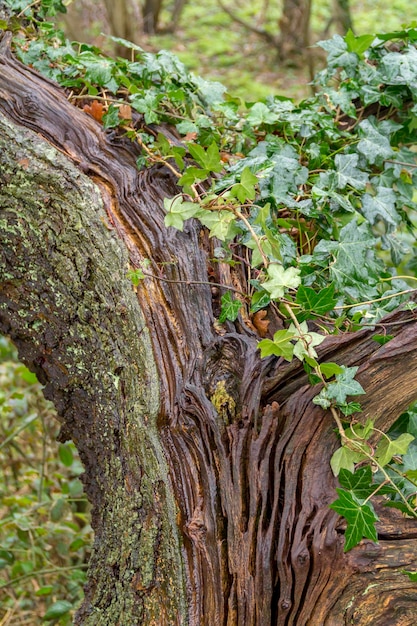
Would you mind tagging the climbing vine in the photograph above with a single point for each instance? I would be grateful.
(315, 200)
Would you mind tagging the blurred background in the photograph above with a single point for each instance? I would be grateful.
(255, 47)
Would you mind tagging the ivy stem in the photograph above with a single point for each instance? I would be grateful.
(393, 295)
(317, 371)
(156, 159)
(248, 225)
(194, 282)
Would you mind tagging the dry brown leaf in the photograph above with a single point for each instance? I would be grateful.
(260, 323)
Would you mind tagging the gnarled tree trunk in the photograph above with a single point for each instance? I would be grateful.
(208, 468)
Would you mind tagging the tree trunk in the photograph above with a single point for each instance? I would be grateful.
(123, 22)
(294, 30)
(207, 467)
(151, 10)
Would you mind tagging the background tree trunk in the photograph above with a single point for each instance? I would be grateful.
(294, 30)
(151, 10)
(208, 469)
(124, 22)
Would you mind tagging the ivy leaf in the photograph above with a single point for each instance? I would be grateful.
(111, 119)
(347, 172)
(337, 391)
(245, 190)
(280, 345)
(99, 70)
(382, 339)
(304, 335)
(361, 518)
(400, 69)
(374, 145)
(222, 224)
(359, 482)
(330, 369)
(208, 159)
(280, 280)
(345, 459)
(358, 44)
(411, 575)
(260, 300)
(338, 53)
(313, 302)
(381, 206)
(349, 408)
(230, 308)
(345, 385)
(387, 448)
(261, 114)
(192, 175)
(178, 211)
(352, 258)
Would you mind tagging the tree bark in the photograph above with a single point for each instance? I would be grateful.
(124, 23)
(294, 30)
(207, 467)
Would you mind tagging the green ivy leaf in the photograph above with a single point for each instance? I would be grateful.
(347, 172)
(345, 459)
(358, 44)
(387, 447)
(230, 308)
(359, 482)
(280, 280)
(260, 114)
(245, 190)
(191, 176)
(411, 575)
(382, 339)
(260, 300)
(178, 211)
(111, 118)
(305, 336)
(330, 369)
(361, 518)
(381, 207)
(336, 392)
(313, 302)
(222, 224)
(373, 145)
(280, 346)
(207, 159)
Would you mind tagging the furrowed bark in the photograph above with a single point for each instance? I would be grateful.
(208, 469)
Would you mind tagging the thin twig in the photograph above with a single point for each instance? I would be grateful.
(194, 282)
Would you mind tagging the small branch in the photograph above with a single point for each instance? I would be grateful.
(254, 235)
(392, 295)
(194, 282)
(258, 31)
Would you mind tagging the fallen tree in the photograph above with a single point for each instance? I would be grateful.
(208, 467)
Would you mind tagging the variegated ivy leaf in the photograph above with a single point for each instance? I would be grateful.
(280, 280)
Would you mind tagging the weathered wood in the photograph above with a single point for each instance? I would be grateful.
(208, 468)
